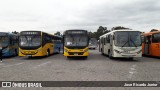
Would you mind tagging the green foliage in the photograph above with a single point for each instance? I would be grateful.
(57, 33)
(15, 32)
(103, 30)
(119, 28)
(100, 31)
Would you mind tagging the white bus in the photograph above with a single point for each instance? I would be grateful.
(121, 43)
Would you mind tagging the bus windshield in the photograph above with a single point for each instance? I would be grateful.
(156, 38)
(30, 40)
(76, 40)
(127, 39)
(4, 40)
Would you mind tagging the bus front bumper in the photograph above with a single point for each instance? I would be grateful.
(76, 54)
(127, 55)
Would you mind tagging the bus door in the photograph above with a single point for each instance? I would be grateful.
(111, 38)
(103, 43)
(147, 45)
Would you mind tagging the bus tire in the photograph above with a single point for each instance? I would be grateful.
(16, 53)
(102, 52)
(48, 52)
(59, 51)
(109, 54)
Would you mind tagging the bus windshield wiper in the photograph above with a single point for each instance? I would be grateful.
(124, 44)
(133, 42)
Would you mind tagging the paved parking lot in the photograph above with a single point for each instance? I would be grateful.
(96, 68)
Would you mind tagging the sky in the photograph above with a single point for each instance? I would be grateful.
(60, 15)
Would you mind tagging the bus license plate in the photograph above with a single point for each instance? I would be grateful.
(75, 53)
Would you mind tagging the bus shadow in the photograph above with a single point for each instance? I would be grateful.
(155, 57)
(39, 57)
(125, 59)
(34, 58)
(8, 57)
(77, 58)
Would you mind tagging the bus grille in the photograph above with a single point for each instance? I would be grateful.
(74, 53)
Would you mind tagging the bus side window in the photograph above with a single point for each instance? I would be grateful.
(155, 38)
(142, 39)
(108, 38)
(148, 39)
(104, 41)
(11, 40)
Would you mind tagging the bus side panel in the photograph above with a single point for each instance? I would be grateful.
(106, 48)
(143, 48)
(155, 49)
(47, 47)
(57, 47)
(36, 52)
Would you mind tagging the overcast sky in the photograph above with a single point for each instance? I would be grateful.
(58, 15)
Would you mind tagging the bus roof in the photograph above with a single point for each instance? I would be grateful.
(31, 31)
(74, 30)
(118, 31)
(150, 33)
(42, 32)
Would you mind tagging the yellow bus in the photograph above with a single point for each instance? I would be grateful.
(75, 43)
(38, 43)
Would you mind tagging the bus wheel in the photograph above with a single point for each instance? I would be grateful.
(59, 51)
(110, 54)
(102, 52)
(16, 53)
(48, 52)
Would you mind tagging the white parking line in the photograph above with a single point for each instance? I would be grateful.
(42, 64)
(132, 71)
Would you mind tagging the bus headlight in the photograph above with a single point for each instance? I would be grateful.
(117, 51)
(139, 51)
(86, 50)
(66, 50)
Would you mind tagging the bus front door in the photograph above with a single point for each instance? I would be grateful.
(147, 45)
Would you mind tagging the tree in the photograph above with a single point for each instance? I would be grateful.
(119, 27)
(100, 31)
(58, 33)
(15, 32)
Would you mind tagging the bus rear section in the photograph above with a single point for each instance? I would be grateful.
(76, 43)
(35, 43)
(151, 43)
(93, 44)
(58, 44)
(121, 43)
(9, 43)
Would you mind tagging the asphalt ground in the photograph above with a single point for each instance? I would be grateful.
(96, 67)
